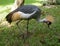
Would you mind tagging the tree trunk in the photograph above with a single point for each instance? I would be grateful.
(16, 4)
(52, 1)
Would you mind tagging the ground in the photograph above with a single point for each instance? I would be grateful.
(41, 34)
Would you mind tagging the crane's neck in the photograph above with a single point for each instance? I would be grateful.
(42, 20)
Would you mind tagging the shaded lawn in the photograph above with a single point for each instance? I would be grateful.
(42, 36)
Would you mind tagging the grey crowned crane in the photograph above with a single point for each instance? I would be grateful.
(27, 12)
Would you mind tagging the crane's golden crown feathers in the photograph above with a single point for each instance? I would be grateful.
(50, 18)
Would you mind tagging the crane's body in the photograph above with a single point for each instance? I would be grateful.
(24, 12)
(27, 12)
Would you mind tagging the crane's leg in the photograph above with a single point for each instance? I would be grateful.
(28, 33)
(18, 23)
(27, 26)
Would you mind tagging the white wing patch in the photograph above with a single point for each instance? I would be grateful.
(23, 15)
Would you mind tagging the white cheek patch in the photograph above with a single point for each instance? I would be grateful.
(24, 15)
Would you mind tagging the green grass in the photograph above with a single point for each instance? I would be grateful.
(6, 2)
(42, 36)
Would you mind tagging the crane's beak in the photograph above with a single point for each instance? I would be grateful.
(48, 23)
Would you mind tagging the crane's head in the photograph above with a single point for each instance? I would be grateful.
(49, 20)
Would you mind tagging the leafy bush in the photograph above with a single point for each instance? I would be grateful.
(58, 2)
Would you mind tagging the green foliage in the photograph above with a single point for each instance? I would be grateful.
(58, 2)
(6, 2)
